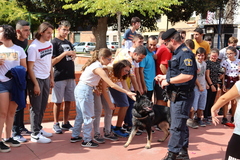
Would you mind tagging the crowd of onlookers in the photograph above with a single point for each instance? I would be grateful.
(104, 84)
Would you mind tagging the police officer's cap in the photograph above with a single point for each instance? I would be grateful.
(168, 34)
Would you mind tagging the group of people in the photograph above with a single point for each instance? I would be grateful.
(194, 82)
(28, 70)
(185, 75)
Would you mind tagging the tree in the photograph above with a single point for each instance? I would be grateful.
(185, 10)
(52, 11)
(103, 9)
(8, 14)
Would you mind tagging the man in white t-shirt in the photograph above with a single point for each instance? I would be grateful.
(232, 41)
(40, 80)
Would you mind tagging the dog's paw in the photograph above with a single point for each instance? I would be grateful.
(161, 140)
(147, 146)
(125, 145)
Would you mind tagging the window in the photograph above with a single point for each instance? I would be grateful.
(114, 37)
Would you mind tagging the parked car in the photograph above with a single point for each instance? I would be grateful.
(75, 43)
(85, 47)
(113, 46)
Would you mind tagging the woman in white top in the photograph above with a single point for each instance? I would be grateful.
(92, 73)
(11, 56)
(233, 145)
(231, 76)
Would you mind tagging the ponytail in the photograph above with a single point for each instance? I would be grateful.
(91, 60)
(103, 52)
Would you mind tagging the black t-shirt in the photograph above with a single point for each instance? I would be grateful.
(64, 69)
(23, 44)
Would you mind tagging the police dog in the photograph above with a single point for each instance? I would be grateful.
(145, 115)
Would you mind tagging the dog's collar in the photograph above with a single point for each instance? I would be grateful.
(149, 115)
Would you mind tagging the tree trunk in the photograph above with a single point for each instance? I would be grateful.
(100, 32)
(119, 29)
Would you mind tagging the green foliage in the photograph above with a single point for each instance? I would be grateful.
(187, 7)
(110, 7)
(11, 12)
(52, 11)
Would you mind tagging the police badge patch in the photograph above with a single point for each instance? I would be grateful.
(188, 62)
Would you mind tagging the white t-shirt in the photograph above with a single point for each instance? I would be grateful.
(12, 56)
(231, 67)
(237, 112)
(89, 77)
(223, 56)
(201, 73)
(41, 54)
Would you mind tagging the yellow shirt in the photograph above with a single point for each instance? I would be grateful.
(203, 44)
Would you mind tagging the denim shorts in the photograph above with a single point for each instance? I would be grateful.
(118, 98)
(200, 99)
(6, 86)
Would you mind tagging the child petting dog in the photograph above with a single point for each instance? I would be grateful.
(91, 75)
(118, 74)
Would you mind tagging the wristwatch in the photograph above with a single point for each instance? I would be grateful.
(168, 81)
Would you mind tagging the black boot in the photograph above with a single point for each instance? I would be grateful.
(183, 154)
(170, 156)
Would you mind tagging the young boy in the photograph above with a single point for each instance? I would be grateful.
(129, 33)
(64, 76)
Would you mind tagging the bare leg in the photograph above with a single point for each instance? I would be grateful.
(233, 107)
(56, 111)
(199, 113)
(121, 115)
(225, 110)
(66, 110)
(9, 120)
(4, 104)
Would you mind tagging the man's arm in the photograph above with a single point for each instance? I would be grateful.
(61, 56)
(181, 78)
(163, 68)
(138, 78)
(134, 83)
(142, 79)
(32, 76)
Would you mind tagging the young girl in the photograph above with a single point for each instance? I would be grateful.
(92, 73)
(232, 151)
(213, 67)
(117, 73)
(200, 90)
(231, 76)
(8, 107)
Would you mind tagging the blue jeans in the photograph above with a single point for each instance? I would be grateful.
(85, 111)
(179, 131)
(200, 98)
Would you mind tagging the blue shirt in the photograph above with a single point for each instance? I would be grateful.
(183, 61)
(149, 71)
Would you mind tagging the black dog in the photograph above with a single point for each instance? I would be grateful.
(145, 115)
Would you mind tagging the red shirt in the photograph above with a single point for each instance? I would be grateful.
(163, 56)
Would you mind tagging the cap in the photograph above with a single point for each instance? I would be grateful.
(168, 34)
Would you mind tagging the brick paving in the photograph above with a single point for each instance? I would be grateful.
(206, 143)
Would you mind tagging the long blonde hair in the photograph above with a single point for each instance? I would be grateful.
(103, 52)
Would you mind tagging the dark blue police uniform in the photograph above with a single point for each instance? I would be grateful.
(183, 61)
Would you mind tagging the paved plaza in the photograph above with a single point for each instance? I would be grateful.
(206, 143)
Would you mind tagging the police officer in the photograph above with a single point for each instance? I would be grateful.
(180, 81)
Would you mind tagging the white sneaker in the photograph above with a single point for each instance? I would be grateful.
(45, 134)
(20, 138)
(40, 139)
